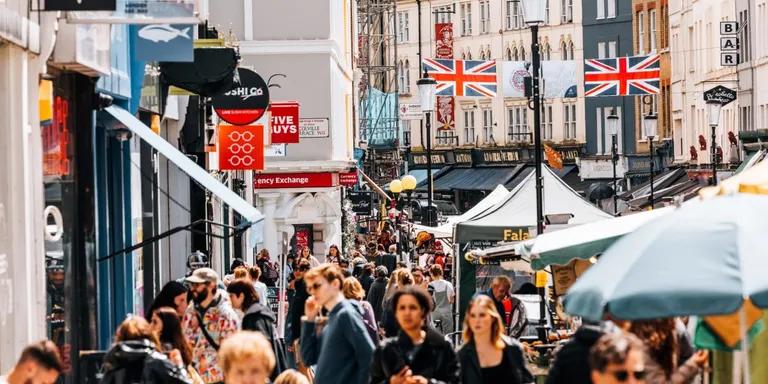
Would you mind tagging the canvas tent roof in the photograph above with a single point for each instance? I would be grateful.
(446, 230)
(518, 209)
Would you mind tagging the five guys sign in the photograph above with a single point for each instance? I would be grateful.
(285, 122)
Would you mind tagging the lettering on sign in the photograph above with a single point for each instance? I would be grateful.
(721, 94)
(285, 123)
(313, 128)
(501, 156)
(570, 154)
(464, 158)
(516, 234)
(295, 180)
(437, 159)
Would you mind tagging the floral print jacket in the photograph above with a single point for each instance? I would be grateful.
(221, 321)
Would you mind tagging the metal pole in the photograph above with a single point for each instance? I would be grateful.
(714, 156)
(536, 61)
(424, 218)
(614, 158)
(429, 220)
(650, 155)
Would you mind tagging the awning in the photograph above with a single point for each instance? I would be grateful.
(229, 197)
(421, 175)
(562, 172)
(476, 179)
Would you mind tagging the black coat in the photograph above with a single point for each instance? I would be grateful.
(261, 319)
(296, 309)
(376, 296)
(471, 372)
(571, 363)
(434, 359)
(138, 362)
(388, 260)
(366, 281)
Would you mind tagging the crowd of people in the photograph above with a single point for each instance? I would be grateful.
(359, 322)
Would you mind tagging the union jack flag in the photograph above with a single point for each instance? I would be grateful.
(463, 77)
(622, 76)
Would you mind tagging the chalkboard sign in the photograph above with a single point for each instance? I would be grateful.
(273, 299)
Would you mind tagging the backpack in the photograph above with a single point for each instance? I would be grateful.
(269, 272)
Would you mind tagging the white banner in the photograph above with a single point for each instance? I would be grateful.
(559, 78)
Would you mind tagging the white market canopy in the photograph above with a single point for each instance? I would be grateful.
(445, 231)
(517, 211)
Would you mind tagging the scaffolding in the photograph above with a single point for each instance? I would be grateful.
(377, 60)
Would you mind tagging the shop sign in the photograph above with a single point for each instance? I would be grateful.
(438, 159)
(569, 154)
(464, 158)
(295, 180)
(362, 202)
(501, 156)
(164, 42)
(241, 148)
(720, 94)
(313, 128)
(80, 5)
(516, 234)
(410, 111)
(131, 11)
(285, 122)
(348, 179)
(600, 169)
(246, 102)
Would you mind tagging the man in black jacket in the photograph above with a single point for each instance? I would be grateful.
(376, 292)
(388, 260)
(571, 363)
(296, 308)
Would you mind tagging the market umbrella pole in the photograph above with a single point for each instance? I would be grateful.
(744, 343)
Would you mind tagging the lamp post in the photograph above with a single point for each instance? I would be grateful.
(409, 184)
(613, 130)
(534, 14)
(713, 112)
(650, 123)
(427, 87)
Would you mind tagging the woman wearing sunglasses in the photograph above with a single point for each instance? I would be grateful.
(618, 358)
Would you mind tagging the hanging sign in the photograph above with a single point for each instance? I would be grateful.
(164, 42)
(729, 43)
(80, 5)
(348, 179)
(285, 122)
(444, 41)
(246, 102)
(241, 148)
(445, 104)
(722, 94)
(445, 113)
(362, 202)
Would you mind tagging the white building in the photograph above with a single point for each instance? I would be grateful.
(493, 30)
(310, 43)
(753, 68)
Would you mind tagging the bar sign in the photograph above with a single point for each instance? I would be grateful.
(729, 43)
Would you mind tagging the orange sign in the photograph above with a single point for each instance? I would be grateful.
(241, 147)
(554, 158)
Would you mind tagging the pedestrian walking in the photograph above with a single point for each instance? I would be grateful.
(444, 295)
(295, 313)
(376, 292)
(402, 278)
(662, 352)
(342, 350)
(306, 254)
(256, 317)
(487, 355)
(135, 357)
(291, 376)
(366, 277)
(354, 292)
(174, 295)
(419, 278)
(236, 263)
(388, 260)
(255, 273)
(39, 363)
(571, 363)
(269, 270)
(344, 267)
(618, 358)
(208, 322)
(167, 326)
(333, 256)
(418, 354)
(246, 358)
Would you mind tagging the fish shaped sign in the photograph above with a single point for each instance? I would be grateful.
(164, 42)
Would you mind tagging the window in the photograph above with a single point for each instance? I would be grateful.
(522, 53)
(487, 125)
(605, 141)
(407, 68)
(640, 32)
(518, 124)
(469, 126)
(744, 40)
(508, 56)
(691, 41)
(443, 14)
(485, 16)
(564, 50)
(606, 50)
(469, 55)
(571, 49)
(444, 137)
(546, 13)
(515, 54)
(403, 34)
(611, 9)
(569, 121)
(466, 19)
(566, 9)
(482, 54)
(401, 76)
(600, 9)
(652, 28)
(514, 15)
(546, 123)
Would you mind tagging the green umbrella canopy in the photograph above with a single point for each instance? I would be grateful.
(702, 259)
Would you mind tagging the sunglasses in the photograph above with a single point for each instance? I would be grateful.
(314, 287)
(623, 375)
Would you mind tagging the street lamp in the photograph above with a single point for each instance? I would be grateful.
(427, 88)
(713, 113)
(409, 184)
(613, 129)
(650, 123)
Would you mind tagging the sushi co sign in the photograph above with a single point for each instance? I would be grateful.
(246, 102)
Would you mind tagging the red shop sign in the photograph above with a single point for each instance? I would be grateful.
(294, 180)
(348, 179)
(241, 147)
(285, 122)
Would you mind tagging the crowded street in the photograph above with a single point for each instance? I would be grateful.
(383, 192)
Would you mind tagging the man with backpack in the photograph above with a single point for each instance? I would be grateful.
(269, 272)
(207, 323)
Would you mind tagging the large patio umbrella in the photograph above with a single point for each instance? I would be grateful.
(703, 259)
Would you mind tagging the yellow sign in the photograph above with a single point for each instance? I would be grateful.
(541, 279)
(516, 234)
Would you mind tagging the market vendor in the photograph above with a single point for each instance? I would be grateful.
(515, 321)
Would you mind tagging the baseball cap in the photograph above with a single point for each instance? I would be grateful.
(203, 275)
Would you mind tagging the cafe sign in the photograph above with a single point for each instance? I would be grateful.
(720, 94)
(516, 234)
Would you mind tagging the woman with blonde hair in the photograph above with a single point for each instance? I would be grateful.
(487, 355)
(246, 357)
(354, 292)
(291, 376)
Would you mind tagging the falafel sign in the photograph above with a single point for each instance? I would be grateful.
(246, 102)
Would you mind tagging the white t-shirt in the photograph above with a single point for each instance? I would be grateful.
(261, 289)
(443, 294)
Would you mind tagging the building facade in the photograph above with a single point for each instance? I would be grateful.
(753, 66)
